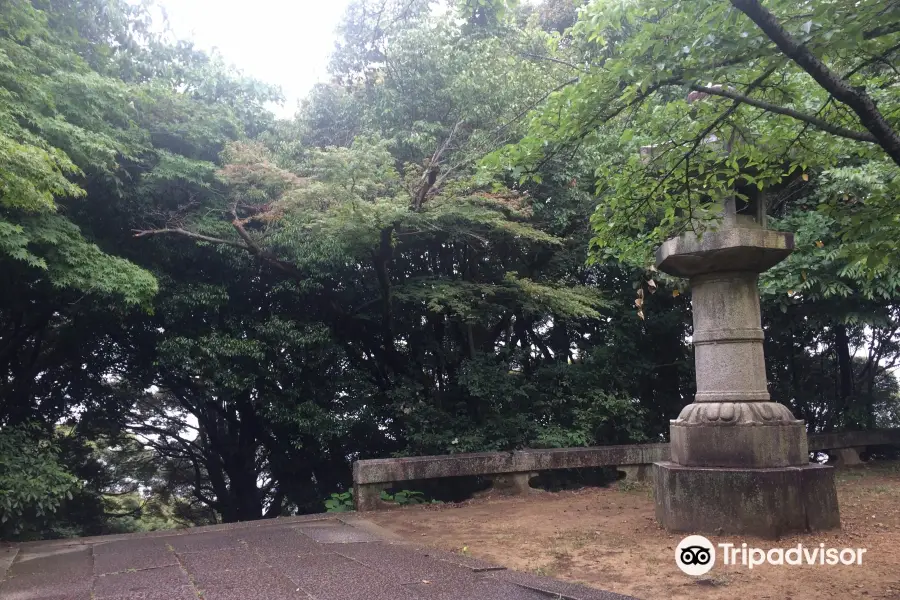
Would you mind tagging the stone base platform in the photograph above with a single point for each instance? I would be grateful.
(764, 502)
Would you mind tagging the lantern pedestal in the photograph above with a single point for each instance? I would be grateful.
(739, 462)
(763, 502)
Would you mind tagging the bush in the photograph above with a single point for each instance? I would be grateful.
(33, 483)
(342, 502)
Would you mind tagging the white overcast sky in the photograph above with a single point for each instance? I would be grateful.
(283, 42)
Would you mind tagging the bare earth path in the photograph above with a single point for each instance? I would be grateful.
(608, 537)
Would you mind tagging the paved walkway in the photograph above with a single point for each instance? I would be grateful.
(305, 558)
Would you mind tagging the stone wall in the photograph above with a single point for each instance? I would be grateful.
(512, 470)
(389, 470)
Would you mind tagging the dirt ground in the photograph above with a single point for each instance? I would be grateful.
(608, 538)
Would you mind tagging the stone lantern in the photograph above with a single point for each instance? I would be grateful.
(739, 460)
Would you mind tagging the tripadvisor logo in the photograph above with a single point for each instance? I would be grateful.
(695, 555)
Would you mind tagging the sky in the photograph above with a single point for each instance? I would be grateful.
(283, 42)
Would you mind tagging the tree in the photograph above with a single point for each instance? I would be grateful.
(98, 115)
(766, 94)
(446, 310)
(32, 481)
(231, 309)
(678, 106)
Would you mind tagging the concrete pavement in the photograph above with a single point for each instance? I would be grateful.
(318, 557)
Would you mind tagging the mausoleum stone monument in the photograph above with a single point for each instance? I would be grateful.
(739, 461)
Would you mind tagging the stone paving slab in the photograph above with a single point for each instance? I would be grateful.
(398, 563)
(146, 581)
(8, 554)
(179, 593)
(471, 589)
(168, 533)
(337, 535)
(257, 584)
(73, 562)
(203, 542)
(133, 559)
(138, 545)
(208, 565)
(553, 587)
(312, 558)
(286, 543)
(473, 564)
(40, 587)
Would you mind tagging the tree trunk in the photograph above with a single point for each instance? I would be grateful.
(845, 372)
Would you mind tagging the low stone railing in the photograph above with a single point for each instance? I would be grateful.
(848, 445)
(509, 470)
(512, 471)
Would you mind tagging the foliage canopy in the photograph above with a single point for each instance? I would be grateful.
(210, 313)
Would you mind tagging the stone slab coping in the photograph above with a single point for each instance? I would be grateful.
(853, 439)
(388, 470)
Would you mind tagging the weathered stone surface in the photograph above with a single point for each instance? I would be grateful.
(819, 442)
(133, 546)
(203, 542)
(278, 540)
(475, 588)
(7, 556)
(184, 592)
(265, 566)
(140, 582)
(367, 496)
(389, 470)
(384, 472)
(512, 484)
(764, 502)
(209, 566)
(334, 576)
(736, 413)
(729, 249)
(135, 558)
(848, 457)
(338, 535)
(72, 562)
(739, 462)
(44, 587)
(556, 589)
(728, 338)
(399, 562)
(258, 584)
(577, 458)
(732, 445)
(636, 473)
(474, 565)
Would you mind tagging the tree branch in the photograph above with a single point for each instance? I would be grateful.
(534, 104)
(554, 60)
(872, 60)
(781, 110)
(881, 31)
(429, 177)
(189, 234)
(857, 99)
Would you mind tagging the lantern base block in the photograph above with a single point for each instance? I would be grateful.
(758, 435)
(766, 502)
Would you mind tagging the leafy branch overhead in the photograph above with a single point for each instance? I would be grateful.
(785, 87)
(349, 204)
(210, 313)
